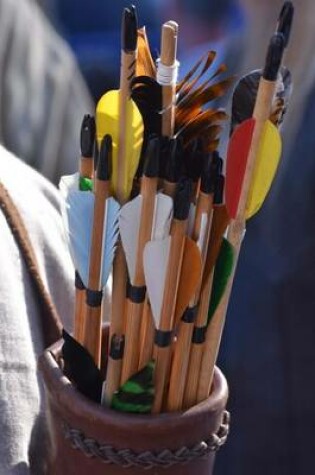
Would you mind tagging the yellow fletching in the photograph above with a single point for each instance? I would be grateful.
(107, 122)
(266, 166)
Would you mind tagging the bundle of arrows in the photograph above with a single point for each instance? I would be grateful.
(152, 217)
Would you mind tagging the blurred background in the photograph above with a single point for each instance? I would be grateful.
(92, 30)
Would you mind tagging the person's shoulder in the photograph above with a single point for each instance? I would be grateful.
(28, 188)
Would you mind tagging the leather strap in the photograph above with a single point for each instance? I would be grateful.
(50, 320)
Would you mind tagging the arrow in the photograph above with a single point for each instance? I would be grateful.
(85, 184)
(261, 114)
(118, 115)
(250, 143)
(167, 70)
(83, 235)
(187, 313)
(145, 218)
(87, 140)
(163, 266)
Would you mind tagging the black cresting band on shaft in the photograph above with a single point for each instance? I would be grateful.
(163, 339)
(136, 294)
(94, 297)
(117, 347)
(199, 335)
(78, 282)
(189, 315)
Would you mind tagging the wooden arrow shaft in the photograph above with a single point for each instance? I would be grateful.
(117, 319)
(179, 369)
(162, 369)
(86, 167)
(95, 265)
(127, 72)
(181, 355)
(79, 313)
(263, 105)
(163, 354)
(92, 327)
(196, 350)
(212, 345)
(148, 193)
(168, 58)
(178, 231)
(147, 335)
(92, 334)
(134, 313)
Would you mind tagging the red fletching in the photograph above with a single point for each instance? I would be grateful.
(237, 155)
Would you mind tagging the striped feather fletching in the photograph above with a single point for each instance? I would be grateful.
(145, 64)
(198, 88)
(137, 394)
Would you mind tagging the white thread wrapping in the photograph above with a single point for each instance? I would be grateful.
(167, 75)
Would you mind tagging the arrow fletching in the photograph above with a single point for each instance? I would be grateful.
(81, 369)
(77, 212)
(155, 263)
(107, 122)
(237, 155)
(129, 223)
(223, 270)
(265, 169)
(137, 394)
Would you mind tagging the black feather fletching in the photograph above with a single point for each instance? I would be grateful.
(245, 94)
(147, 94)
(80, 368)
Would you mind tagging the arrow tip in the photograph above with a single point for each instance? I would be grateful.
(152, 160)
(129, 29)
(104, 166)
(88, 130)
(182, 199)
(274, 57)
(285, 21)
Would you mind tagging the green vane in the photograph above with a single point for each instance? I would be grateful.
(85, 184)
(137, 394)
(223, 270)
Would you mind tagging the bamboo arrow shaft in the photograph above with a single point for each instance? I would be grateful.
(148, 192)
(163, 354)
(212, 345)
(147, 335)
(86, 167)
(92, 328)
(134, 310)
(179, 369)
(262, 110)
(181, 355)
(117, 319)
(168, 58)
(196, 349)
(127, 73)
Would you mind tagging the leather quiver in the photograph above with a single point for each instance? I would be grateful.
(90, 439)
